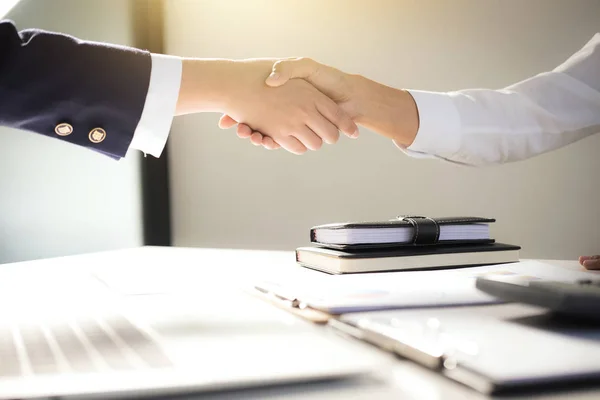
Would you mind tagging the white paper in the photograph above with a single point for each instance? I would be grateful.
(405, 289)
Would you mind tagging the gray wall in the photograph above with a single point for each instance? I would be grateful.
(226, 193)
(57, 199)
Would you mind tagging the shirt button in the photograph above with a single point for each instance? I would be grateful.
(97, 135)
(63, 129)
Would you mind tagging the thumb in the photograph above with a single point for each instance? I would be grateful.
(285, 70)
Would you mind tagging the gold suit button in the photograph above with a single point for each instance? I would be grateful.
(97, 135)
(63, 129)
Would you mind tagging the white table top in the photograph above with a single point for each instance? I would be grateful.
(203, 268)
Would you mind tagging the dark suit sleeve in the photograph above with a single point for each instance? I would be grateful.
(95, 90)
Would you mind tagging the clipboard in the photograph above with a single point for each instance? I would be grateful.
(291, 304)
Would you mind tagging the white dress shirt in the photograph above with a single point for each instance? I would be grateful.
(537, 115)
(152, 131)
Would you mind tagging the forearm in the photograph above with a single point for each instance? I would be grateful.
(204, 85)
(94, 99)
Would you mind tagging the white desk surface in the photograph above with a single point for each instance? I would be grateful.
(215, 268)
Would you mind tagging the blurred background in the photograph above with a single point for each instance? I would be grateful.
(220, 191)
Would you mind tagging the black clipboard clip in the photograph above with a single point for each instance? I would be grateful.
(291, 304)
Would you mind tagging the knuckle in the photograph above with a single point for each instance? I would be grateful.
(304, 114)
(343, 121)
(306, 60)
(340, 115)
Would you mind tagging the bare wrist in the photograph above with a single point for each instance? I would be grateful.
(388, 111)
(205, 86)
(410, 119)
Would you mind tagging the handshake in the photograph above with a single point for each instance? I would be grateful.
(297, 104)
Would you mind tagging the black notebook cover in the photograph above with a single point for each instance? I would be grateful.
(405, 258)
(401, 222)
(414, 250)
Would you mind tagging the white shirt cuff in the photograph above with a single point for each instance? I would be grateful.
(439, 126)
(152, 131)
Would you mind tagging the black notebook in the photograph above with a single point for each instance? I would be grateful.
(403, 231)
(406, 258)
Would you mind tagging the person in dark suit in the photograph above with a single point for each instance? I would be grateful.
(110, 98)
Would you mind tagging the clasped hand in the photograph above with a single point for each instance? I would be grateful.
(295, 116)
(387, 111)
(331, 82)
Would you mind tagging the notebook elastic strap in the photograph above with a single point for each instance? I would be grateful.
(427, 230)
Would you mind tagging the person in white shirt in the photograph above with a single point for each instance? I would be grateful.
(470, 127)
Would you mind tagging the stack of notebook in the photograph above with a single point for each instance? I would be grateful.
(404, 243)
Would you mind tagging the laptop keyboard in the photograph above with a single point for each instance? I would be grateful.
(9, 358)
(84, 345)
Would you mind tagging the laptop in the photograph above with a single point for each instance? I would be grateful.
(67, 334)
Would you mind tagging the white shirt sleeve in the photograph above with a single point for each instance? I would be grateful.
(152, 131)
(537, 115)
